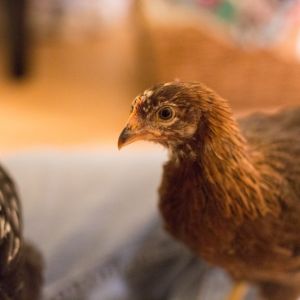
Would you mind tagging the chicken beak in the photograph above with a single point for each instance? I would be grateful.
(125, 138)
(130, 133)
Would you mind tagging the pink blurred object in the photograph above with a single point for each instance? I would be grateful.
(209, 3)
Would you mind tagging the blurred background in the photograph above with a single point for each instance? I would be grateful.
(70, 68)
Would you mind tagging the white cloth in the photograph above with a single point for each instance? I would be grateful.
(93, 215)
(81, 206)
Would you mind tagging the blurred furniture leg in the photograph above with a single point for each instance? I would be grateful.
(17, 37)
(239, 291)
(145, 56)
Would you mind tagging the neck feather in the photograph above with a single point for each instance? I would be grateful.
(226, 166)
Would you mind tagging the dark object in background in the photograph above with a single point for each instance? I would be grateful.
(17, 37)
(20, 263)
(237, 205)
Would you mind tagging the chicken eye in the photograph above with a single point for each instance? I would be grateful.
(166, 113)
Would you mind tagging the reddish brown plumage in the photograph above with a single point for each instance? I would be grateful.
(232, 197)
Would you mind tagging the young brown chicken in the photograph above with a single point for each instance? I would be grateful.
(236, 203)
(20, 263)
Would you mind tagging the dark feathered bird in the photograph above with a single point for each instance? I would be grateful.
(20, 263)
(230, 192)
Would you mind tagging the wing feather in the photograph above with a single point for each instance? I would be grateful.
(10, 222)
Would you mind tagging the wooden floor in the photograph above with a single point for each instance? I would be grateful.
(78, 92)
